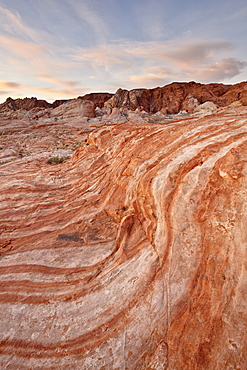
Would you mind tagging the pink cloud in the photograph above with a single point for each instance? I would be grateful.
(221, 70)
(176, 58)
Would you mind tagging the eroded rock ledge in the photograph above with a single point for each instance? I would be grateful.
(131, 255)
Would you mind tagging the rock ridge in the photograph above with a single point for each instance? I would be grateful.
(169, 99)
(178, 96)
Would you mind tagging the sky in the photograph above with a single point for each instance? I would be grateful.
(61, 49)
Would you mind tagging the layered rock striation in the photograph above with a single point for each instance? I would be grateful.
(130, 255)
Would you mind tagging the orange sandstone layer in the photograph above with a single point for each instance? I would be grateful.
(130, 255)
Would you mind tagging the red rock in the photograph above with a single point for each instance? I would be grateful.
(25, 104)
(170, 99)
(97, 98)
(130, 255)
(178, 96)
(59, 102)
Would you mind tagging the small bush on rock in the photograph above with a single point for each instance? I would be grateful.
(57, 160)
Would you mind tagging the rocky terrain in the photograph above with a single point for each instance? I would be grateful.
(177, 97)
(169, 99)
(123, 231)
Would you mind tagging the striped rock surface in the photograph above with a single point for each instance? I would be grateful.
(131, 255)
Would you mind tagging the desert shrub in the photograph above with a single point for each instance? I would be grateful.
(77, 144)
(57, 160)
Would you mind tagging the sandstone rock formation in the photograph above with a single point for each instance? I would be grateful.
(74, 108)
(25, 104)
(170, 99)
(206, 108)
(35, 105)
(130, 255)
(178, 96)
(97, 98)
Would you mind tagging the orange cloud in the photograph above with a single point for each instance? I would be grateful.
(59, 82)
(9, 85)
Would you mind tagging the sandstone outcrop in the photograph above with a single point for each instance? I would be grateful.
(19, 107)
(25, 104)
(206, 108)
(131, 254)
(97, 98)
(178, 96)
(74, 108)
(170, 99)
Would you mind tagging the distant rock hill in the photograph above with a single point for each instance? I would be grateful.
(25, 104)
(30, 103)
(169, 99)
(97, 98)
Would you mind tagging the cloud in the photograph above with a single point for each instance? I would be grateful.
(59, 82)
(36, 59)
(10, 23)
(49, 60)
(105, 56)
(92, 18)
(53, 93)
(153, 76)
(238, 15)
(22, 49)
(9, 85)
(149, 80)
(8, 88)
(196, 52)
(60, 87)
(226, 68)
(177, 51)
(26, 58)
(152, 63)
